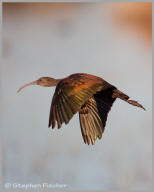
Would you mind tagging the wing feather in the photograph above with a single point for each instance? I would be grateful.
(83, 128)
(87, 131)
(59, 121)
(91, 125)
(54, 118)
(67, 110)
(70, 94)
(93, 115)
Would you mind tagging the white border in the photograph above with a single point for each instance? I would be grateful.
(37, 1)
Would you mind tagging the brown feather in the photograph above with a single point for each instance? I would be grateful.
(95, 112)
(59, 122)
(83, 131)
(72, 92)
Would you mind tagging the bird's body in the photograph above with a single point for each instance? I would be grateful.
(87, 94)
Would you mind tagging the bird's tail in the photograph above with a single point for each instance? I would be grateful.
(120, 95)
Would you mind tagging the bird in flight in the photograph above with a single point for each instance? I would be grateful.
(87, 94)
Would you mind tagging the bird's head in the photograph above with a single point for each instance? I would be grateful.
(46, 81)
(43, 81)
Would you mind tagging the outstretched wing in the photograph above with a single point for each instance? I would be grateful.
(70, 94)
(93, 115)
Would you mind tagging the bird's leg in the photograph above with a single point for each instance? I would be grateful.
(135, 103)
(121, 95)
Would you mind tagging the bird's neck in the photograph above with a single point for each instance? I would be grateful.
(53, 82)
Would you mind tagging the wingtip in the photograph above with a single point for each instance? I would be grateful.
(49, 125)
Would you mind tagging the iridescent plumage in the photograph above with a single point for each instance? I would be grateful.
(87, 94)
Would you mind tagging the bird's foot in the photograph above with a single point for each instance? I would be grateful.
(135, 103)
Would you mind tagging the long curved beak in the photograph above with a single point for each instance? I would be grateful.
(31, 83)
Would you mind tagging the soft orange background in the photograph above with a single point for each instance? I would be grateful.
(134, 16)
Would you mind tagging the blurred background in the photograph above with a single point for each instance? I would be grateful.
(110, 40)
